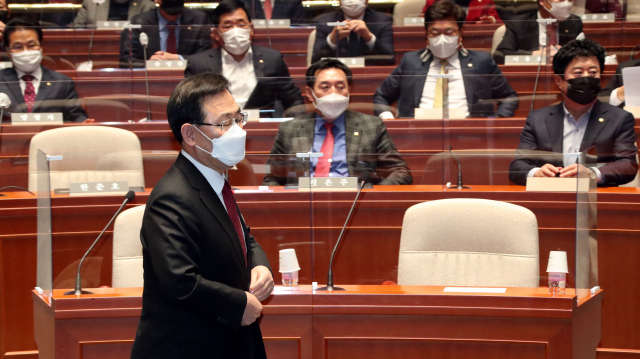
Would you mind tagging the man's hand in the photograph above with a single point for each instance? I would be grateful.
(340, 32)
(621, 93)
(252, 310)
(486, 19)
(548, 170)
(573, 170)
(261, 282)
(89, 120)
(163, 55)
(360, 28)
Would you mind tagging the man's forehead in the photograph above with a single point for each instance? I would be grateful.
(235, 15)
(331, 74)
(444, 24)
(583, 62)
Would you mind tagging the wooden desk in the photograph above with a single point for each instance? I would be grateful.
(362, 322)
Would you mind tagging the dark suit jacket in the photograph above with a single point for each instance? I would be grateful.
(522, 35)
(56, 93)
(193, 39)
(482, 79)
(195, 275)
(282, 9)
(616, 80)
(370, 150)
(379, 24)
(614, 139)
(274, 81)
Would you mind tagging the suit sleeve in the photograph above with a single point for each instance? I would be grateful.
(203, 35)
(614, 83)
(170, 235)
(297, 13)
(390, 164)
(389, 91)
(258, 256)
(509, 45)
(623, 167)
(288, 92)
(194, 65)
(72, 111)
(130, 49)
(320, 47)
(502, 90)
(523, 163)
(277, 161)
(81, 18)
(384, 42)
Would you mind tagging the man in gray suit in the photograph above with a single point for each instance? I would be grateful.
(93, 11)
(352, 142)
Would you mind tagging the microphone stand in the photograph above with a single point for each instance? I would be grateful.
(146, 81)
(459, 185)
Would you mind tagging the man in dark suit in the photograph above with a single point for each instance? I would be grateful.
(280, 9)
(173, 30)
(259, 76)
(613, 93)
(30, 86)
(204, 274)
(577, 124)
(477, 82)
(365, 33)
(93, 12)
(522, 36)
(352, 142)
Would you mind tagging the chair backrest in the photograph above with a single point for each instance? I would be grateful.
(310, 43)
(127, 249)
(469, 242)
(407, 8)
(497, 38)
(90, 154)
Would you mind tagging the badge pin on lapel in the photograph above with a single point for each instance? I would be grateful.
(356, 134)
(601, 119)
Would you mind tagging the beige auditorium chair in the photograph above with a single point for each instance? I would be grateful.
(127, 249)
(90, 154)
(407, 8)
(469, 242)
(498, 35)
(310, 43)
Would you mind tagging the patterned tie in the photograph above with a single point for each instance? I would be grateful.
(232, 210)
(268, 10)
(324, 165)
(29, 92)
(437, 98)
(171, 40)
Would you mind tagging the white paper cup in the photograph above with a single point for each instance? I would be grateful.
(557, 262)
(288, 261)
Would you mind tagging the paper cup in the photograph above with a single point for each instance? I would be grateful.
(557, 262)
(288, 261)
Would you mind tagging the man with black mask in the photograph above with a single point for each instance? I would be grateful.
(581, 121)
(173, 30)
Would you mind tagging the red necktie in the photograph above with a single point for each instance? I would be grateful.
(232, 210)
(171, 40)
(324, 166)
(29, 92)
(268, 10)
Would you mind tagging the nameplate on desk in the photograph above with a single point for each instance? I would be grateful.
(413, 21)
(272, 24)
(254, 115)
(306, 184)
(438, 114)
(166, 64)
(6, 65)
(98, 188)
(608, 17)
(54, 118)
(524, 59)
(351, 62)
(557, 184)
(112, 25)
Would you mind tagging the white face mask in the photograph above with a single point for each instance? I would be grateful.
(561, 10)
(443, 46)
(27, 61)
(353, 8)
(237, 40)
(331, 105)
(228, 148)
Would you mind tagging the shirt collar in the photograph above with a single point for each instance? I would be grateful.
(215, 179)
(163, 22)
(586, 115)
(37, 73)
(338, 122)
(228, 58)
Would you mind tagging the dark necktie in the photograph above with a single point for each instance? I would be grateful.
(324, 166)
(354, 44)
(171, 40)
(232, 210)
(29, 92)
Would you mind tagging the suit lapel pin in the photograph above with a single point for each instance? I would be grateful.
(601, 119)
(48, 83)
(356, 134)
(261, 61)
(135, 4)
(566, 30)
(470, 65)
(189, 28)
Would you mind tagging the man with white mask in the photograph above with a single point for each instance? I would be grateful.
(352, 143)
(526, 36)
(94, 11)
(362, 32)
(30, 86)
(258, 75)
(476, 85)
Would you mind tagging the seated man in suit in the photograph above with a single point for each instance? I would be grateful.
(476, 84)
(580, 122)
(173, 30)
(352, 142)
(366, 32)
(614, 91)
(276, 9)
(525, 36)
(30, 86)
(111, 10)
(258, 75)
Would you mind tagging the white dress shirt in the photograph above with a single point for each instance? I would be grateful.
(457, 94)
(215, 179)
(36, 82)
(371, 43)
(241, 75)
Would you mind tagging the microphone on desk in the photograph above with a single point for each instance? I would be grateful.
(93, 28)
(363, 179)
(266, 21)
(78, 290)
(459, 185)
(542, 39)
(5, 102)
(144, 41)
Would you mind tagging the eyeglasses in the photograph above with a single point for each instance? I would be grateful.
(226, 124)
(18, 47)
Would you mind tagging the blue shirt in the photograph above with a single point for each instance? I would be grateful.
(339, 167)
(164, 32)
